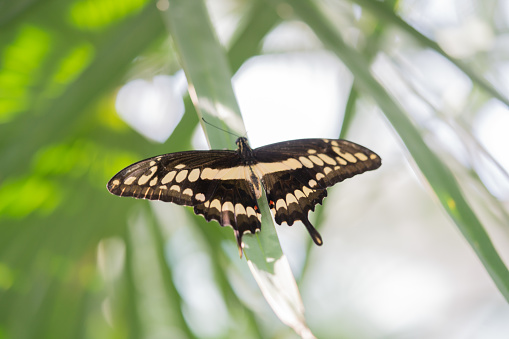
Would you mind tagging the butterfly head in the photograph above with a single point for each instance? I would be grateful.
(241, 141)
(245, 151)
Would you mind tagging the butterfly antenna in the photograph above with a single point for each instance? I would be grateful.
(219, 128)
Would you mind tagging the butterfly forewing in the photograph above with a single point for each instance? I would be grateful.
(183, 178)
(325, 161)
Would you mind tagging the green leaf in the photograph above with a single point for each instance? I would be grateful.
(385, 13)
(209, 78)
(436, 172)
(60, 115)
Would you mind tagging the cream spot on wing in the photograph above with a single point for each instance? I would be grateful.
(349, 157)
(299, 194)
(336, 149)
(271, 167)
(290, 199)
(280, 204)
(341, 161)
(312, 183)
(200, 197)
(129, 180)
(263, 168)
(316, 160)
(194, 175)
(188, 192)
(180, 166)
(293, 163)
(307, 191)
(158, 158)
(311, 151)
(250, 211)
(209, 173)
(216, 204)
(168, 177)
(115, 182)
(319, 176)
(337, 168)
(334, 143)
(181, 175)
(163, 187)
(327, 170)
(175, 188)
(153, 182)
(234, 173)
(239, 209)
(145, 177)
(327, 159)
(228, 206)
(306, 162)
(152, 163)
(361, 156)
(373, 156)
(206, 204)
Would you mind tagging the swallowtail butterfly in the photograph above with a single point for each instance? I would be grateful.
(224, 185)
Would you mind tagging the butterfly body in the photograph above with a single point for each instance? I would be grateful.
(224, 185)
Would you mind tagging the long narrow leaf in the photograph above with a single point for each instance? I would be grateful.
(384, 12)
(247, 40)
(437, 174)
(124, 44)
(210, 88)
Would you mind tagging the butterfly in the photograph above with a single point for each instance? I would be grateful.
(224, 185)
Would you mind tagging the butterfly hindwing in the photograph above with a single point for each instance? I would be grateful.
(232, 203)
(290, 199)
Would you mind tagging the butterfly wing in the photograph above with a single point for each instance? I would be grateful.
(295, 174)
(214, 182)
(232, 202)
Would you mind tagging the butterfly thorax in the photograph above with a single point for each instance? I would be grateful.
(245, 151)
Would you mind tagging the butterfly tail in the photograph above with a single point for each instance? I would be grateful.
(317, 238)
(238, 235)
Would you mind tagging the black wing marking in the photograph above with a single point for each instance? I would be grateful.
(295, 174)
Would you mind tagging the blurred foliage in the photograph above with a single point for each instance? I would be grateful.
(70, 252)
